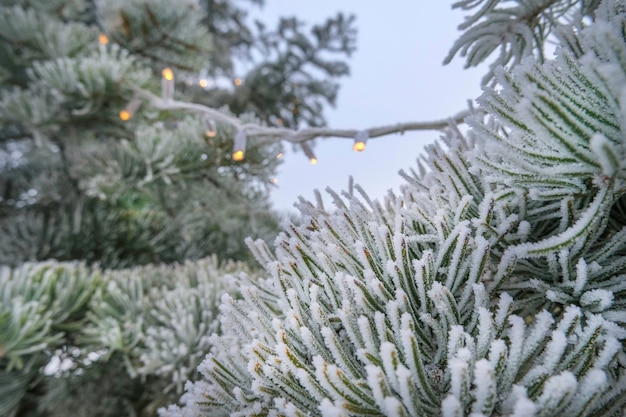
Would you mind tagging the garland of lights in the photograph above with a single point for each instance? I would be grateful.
(268, 133)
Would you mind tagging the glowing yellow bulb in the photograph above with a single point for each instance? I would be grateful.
(237, 81)
(125, 115)
(359, 146)
(203, 83)
(103, 39)
(210, 133)
(238, 156)
(168, 74)
(280, 155)
(313, 161)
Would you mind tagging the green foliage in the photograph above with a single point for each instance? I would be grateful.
(114, 334)
(492, 286)
(118, 340)
(41, 305)
(80, 183)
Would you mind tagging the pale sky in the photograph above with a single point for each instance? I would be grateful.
(396, 76)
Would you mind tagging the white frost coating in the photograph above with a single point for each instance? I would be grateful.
(516, 337)
(485, 391)
(523, 230)
(366, 331)
(607, 154)
(460, 344)
(497, 353)
(451, 407)
(611, 347)
(592, 385)
(538, 333)
(334, 347)
(406, 383)
(440, 295)
(551, 357)
(389, 353)
(523, 406)
(485, 332)
(321, 371)
(581, 277)
(478, 260)
(597, 300)
(328, 409)
(571, 317)
(536, 249)
(557, 389)
(393, 407)
(421, 271)
(376, 382)
(460, 374)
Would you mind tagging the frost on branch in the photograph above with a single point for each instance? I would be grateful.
(513, 30)
(490, 287)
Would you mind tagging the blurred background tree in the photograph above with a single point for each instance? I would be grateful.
(77, 181)
(89, 173)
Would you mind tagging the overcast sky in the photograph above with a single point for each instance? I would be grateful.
(396, 76)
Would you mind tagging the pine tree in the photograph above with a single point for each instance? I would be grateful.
(491, 285)
(99, 188)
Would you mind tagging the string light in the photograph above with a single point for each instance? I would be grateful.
(125, 115)
(129, 111)
(168, 74)
(167, 84)
(103, 39)
(239, 146)
(309, 153)
(359, 141)
(211, 132)
(274, 180)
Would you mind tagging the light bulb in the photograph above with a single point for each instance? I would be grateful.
(309, 152)
(280, 155)
(210, 133)
(168, 74)
(132, 107)
(239, 146)
(103, 39)
(203, 83)
(359, 141)
(238, 156)
(237, 81)
(358, 146)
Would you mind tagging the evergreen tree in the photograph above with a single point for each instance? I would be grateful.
(492, 285)
(91, 171)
